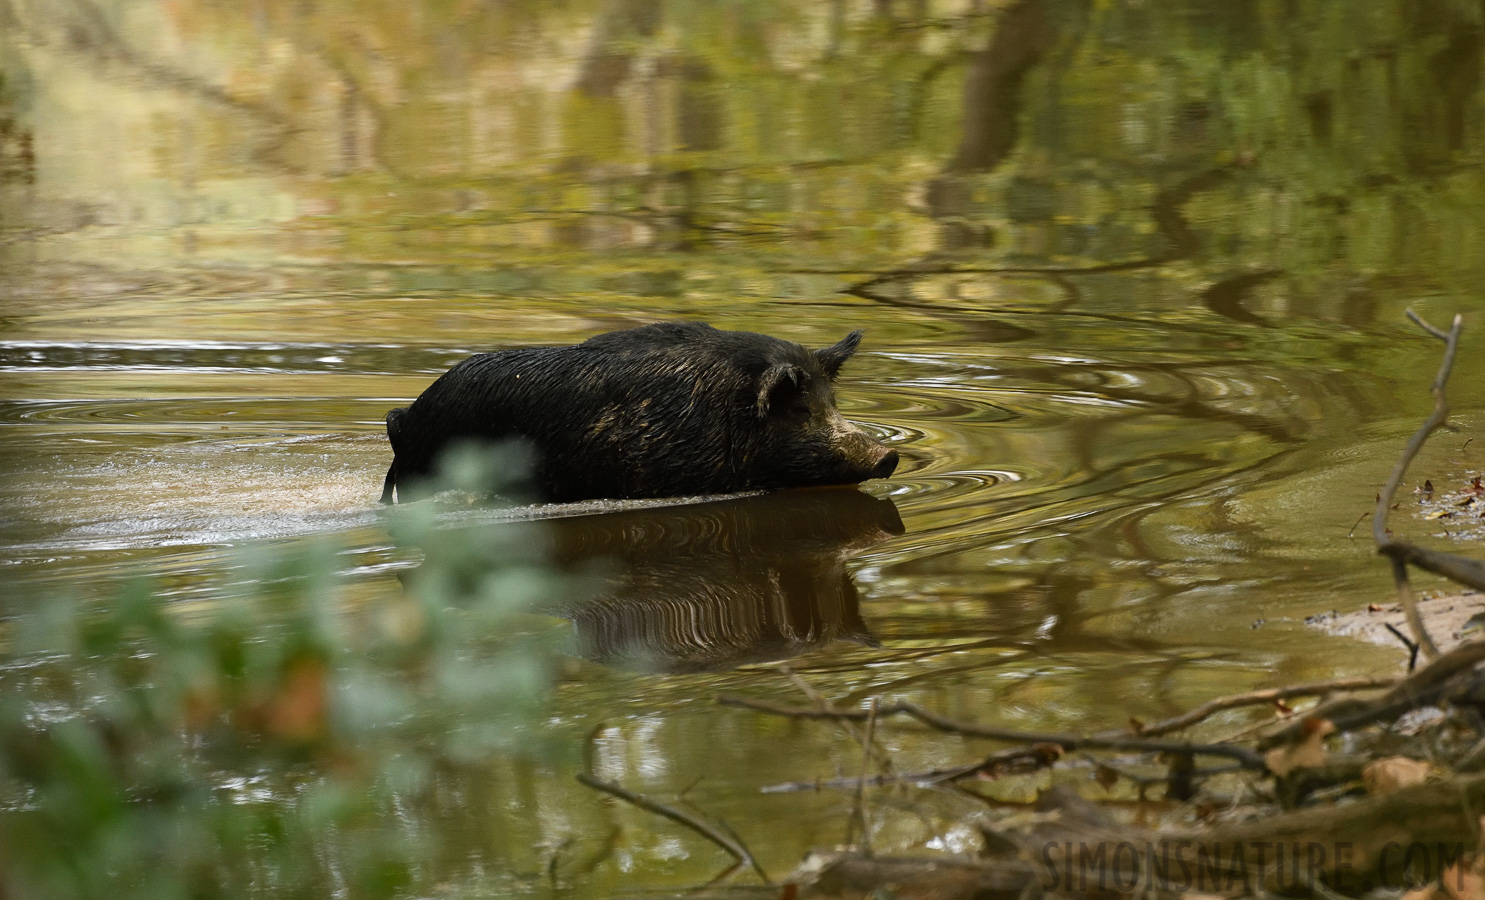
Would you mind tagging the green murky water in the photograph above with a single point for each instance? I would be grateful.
(1132, 275)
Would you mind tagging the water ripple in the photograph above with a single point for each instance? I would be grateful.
(1001, 450)
(224, 357)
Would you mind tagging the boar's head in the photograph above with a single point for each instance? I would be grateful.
(801, 438)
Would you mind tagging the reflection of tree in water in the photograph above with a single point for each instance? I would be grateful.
(17, 145)
(690, 123)
(716, 585)
(1045, 125)
(859, 139)
(1026, 148)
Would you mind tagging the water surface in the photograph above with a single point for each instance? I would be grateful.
(1133, 280)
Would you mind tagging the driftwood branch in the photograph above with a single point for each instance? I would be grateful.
(1434, 421)
(1438, 814)
(1449, 675)
(1254, 698)
(1066, 742)
(1415, 443)
(1426, 827)
(1037, 745)
(1462, 569)
(732, 845)
(849, 782)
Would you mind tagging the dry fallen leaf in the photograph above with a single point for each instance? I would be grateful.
(1383, 776)
(1105, 777)
(1048, 752)
(1307, 753)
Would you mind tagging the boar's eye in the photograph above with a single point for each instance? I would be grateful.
(832, 358)
(780, 387)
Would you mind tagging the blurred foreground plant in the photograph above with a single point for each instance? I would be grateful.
(265, 741)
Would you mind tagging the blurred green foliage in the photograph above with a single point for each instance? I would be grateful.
(264, 742)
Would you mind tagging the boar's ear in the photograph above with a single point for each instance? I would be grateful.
(778, 384)
(832, 358)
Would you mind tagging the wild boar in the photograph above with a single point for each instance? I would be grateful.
(664, 410)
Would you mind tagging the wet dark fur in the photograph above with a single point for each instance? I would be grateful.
(663, 410)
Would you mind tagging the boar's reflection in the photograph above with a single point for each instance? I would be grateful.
(716, 585)
(711, 586)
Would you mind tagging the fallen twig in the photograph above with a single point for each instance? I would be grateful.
(1269, 695)
(858, 813)
(823, 702)
(1435, 813)
(826, 710)
(1424, 687)
(733, 846)
(1466, 571)
(1437, 418)
(804, 686)
(1102, 741)
(1406, 642)
(929, 777)
(1425, 826)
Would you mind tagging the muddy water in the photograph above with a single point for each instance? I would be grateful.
(1146, 366)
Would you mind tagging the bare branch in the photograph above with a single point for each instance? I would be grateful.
(804, 686)
(1436, 680)
(1421, 323)
(858, 813)
(1436, 419)
(827, 710)
(1468, 572)
(1253, 698)
(823, 702)
(1101, 741)
(930, 777)
(733, 846)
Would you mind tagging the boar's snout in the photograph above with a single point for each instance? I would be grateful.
(864, 456)
(886, 464)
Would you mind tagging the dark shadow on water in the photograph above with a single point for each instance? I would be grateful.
(1226, 297)
(712, 586)
(707, 587)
